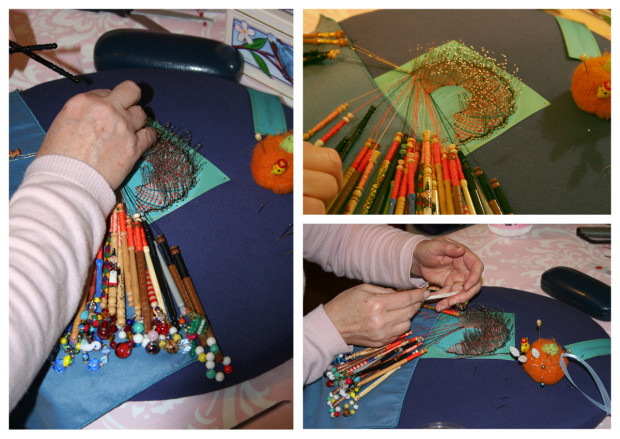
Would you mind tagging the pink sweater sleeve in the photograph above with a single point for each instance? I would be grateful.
(321, 343)
(56, 225)
(376, 254)
(373, 253)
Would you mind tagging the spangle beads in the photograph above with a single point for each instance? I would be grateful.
(122, 339)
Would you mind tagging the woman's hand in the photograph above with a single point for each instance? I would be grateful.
(447, 263)
(369, 315)
(103, 128)
(322, 177)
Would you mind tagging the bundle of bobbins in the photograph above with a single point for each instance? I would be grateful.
(423, 171)
(135, 274)
(355, 375)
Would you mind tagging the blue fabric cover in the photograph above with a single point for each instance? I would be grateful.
(381, 407)
(474, 393)
(25, 133)
(499, 394)
(242, 272)
(76, 397)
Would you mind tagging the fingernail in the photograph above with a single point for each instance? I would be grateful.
(427, 294)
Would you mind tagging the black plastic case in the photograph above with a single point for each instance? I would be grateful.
(137, 48)
(585, 293)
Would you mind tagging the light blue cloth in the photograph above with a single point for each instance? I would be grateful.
(76, 397)
(379, 408)
(267, 113)
(25, 133)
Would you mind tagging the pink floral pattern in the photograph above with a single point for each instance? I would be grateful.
(519, 262)
(221, 409)
(76, 33)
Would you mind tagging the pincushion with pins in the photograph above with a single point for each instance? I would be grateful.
(543, 362)
(591, 85)
(272, 162)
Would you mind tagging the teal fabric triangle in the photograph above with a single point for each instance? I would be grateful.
(578, 39)
(590, 348)
(267, 112)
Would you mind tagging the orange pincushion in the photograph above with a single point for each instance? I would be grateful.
(272, 163)
(591, 86)
(546, 368)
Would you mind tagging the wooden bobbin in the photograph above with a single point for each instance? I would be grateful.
(396, 187)
(483, 199)
(457, 193)
(120, 298)
(375, 384)
(126, 265)
(345, 120)
(495, 207)
(113, 279)
(112, 291)
(158, 302)
(471, 210)
(435, 192)
(381, 174)
(121, 312)
(193, 295)
(342, 42)
(131, 253)
(471, 183)
(412, 164)
(142, 283)
(441, 190)
(357, 193)
(402, 194)
(427, 190)
(174, 272)
(319, 126)
(446, 182)
(90, 286)
(501, 197)
(334, 34)
(350, 179)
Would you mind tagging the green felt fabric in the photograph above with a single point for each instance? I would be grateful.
(528, 102)
(440, 349)
(208, 178)
(590, 348)
(267, 113)
(578, 38)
